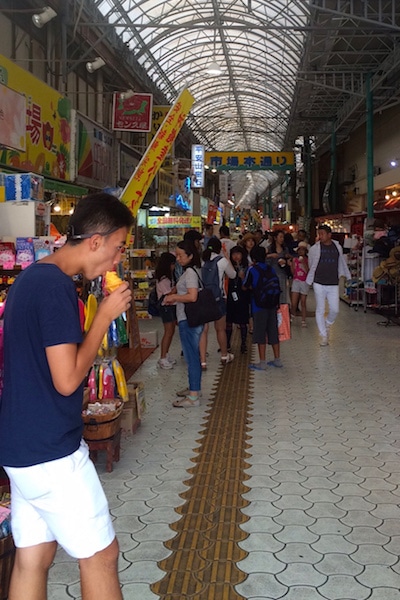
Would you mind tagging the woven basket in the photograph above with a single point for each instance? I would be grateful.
(7, 555)
(102, 427)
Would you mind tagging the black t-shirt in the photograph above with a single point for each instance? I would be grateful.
(327, 269)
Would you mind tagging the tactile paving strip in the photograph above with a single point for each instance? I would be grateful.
(205, 549)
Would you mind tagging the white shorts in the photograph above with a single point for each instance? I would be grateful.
(301, 287)
(61, 500)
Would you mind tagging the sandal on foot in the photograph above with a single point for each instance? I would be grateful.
(186, 392)
(187, 402)
(303, 324)
(204, 366)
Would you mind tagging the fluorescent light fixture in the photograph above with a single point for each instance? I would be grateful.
(97, 63)
(40, 19)
(126, 95)
(214, 68)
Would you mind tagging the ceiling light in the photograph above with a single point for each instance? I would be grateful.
(126, 95)
(393, 163)
(44, 17)
(394, 193)
(387, 196)
(56, 207)
(97, 63)
(214, 68)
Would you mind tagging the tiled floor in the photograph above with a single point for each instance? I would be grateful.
(325, 471)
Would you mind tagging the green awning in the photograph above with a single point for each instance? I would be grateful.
(51, 185)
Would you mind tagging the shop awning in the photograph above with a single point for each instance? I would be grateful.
(63, 187)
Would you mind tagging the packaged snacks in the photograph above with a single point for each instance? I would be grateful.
(43, 246)
(7, 255)
(25, 254)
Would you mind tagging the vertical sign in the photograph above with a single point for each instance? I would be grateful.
(198, 165)
(136, 188)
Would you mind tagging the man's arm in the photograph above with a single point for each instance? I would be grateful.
(69, 363)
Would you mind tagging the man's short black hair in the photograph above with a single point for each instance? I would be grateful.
(224, 230)
(258, 254)
(98, 213)
(192, 235)
(325, 228)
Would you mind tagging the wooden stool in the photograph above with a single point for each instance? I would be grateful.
(111, 445)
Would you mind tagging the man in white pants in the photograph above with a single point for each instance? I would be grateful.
(326, 266)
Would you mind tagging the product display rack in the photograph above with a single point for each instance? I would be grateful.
(142, 277)
(355, 289)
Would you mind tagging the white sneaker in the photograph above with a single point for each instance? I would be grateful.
(164, 363)
(323, 341)
(171, 360)
(328, 329)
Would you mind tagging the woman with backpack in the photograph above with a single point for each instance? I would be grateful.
(278, 257)
(213, 271)
(165, 284)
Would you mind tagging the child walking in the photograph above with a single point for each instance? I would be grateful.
(299, 267)
(265, 317)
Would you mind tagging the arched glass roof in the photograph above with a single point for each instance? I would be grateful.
(258, 45)
(290, 69)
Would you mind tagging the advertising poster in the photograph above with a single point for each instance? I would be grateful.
(136, 188)
(46, 118)
(95, 147)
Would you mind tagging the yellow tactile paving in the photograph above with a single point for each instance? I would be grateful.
(205, 549)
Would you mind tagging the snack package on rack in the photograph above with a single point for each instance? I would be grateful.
(25, 254)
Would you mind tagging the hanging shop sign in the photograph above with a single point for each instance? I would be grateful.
(165, 188)
(44, 120)
(250, 161)
(128, 161)
(212, 213)
(136, 188)
(133, 113)
(174, 222)
(95, 147)
(158, 115)
(12, 119)
(198, 165)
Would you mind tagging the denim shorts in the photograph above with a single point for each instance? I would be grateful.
(265, 326)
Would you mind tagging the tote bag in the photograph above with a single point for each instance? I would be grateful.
(204, 310)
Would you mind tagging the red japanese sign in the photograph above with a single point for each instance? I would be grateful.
(132, 114)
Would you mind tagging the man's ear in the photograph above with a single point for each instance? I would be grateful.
(94, 242)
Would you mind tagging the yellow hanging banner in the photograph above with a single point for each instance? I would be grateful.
(137, 186)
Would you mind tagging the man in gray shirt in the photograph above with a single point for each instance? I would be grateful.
(326, 266)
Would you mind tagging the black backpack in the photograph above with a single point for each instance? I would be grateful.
(267, 290)
(210, 277)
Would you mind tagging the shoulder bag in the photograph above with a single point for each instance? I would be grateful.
(205, 309)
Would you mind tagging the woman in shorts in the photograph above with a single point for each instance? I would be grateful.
(299, 267)
(165, 284)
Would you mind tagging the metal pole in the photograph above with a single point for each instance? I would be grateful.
(333, 171)
(370, 149)
(307, 151)
(270, 204)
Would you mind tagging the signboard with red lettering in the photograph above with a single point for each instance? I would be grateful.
(136, 188)
(95, 154)
(132, 114)
(35, 133)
